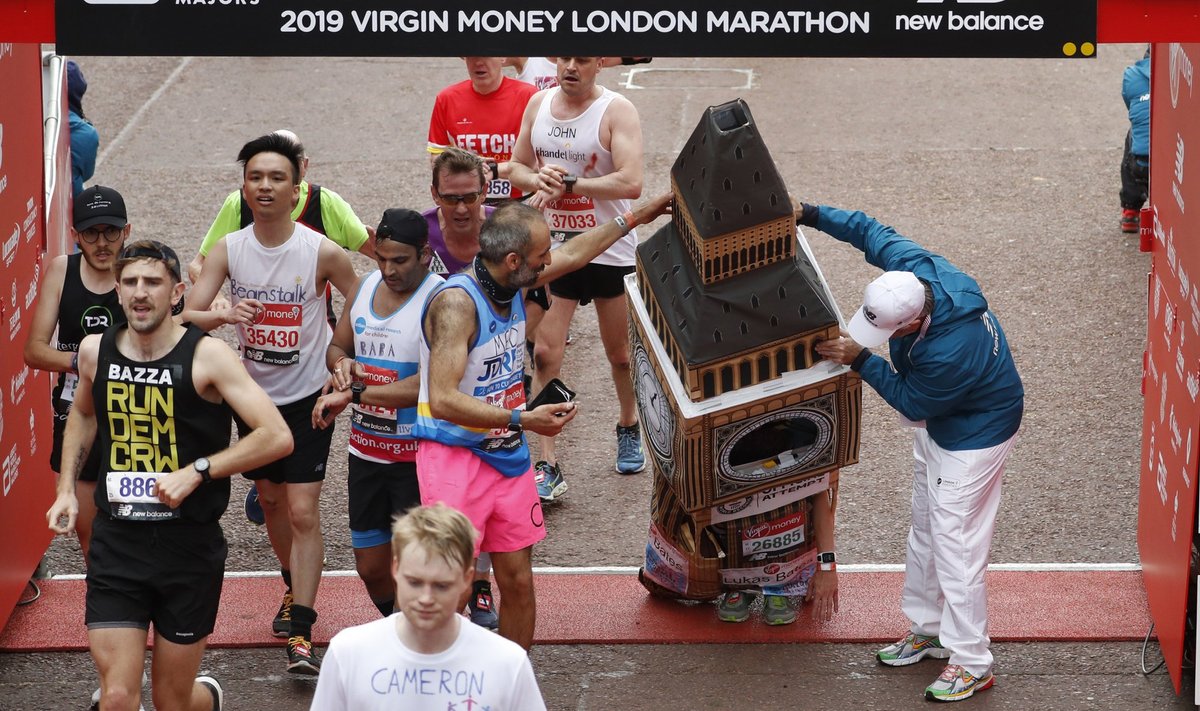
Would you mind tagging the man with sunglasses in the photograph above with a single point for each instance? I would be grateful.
(78, 298)
(156, 397)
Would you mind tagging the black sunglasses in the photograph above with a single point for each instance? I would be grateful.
(465, 198)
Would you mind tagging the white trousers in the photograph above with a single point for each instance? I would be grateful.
(955, 498)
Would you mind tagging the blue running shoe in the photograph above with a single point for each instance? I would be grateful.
(630, 457)
(483, 609)
(254, 510)
(550, 482)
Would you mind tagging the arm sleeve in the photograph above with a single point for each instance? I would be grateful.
(880, 244)
(229, 220)
(928, 390)
(439, 136)
(341, 224)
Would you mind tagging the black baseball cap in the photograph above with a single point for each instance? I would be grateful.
(99, 205)
(404, 226)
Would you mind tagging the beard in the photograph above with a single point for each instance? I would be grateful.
(523, 277)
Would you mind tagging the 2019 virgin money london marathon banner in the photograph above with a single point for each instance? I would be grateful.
(661, 28)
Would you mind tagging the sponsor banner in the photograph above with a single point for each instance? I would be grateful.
(665, 28)
(788, 577)
(769, 499)
(665, 564)
(26, 482)
(1171, 377)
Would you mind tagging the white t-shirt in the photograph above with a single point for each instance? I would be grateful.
(368, 668)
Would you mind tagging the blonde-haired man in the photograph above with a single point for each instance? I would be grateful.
(428, 656)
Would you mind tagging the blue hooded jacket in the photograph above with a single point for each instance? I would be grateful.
(1135, 89)
(958, 376)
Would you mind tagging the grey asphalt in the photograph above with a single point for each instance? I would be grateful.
(1008, 167)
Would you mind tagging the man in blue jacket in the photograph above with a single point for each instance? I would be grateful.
(1135, 162)
(953, 380)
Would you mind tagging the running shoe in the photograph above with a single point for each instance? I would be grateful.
(550, 482)
(778, 610)
(301, 657)
(214, 686)
(483, 609)
(631, 459)
(254, 512)
(1131, 220)
(735, 607)
(96, 703)
(910, 650)
(956, 684)
(281, 626)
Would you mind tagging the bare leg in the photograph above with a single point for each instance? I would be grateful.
(308, 546)
(173, 670)
(613, 319)
(518, 609)
(274, 500)
(119, 653)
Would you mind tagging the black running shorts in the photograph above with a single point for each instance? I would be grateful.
(310, 452)
(166, 573)
(378, 492)
(594, 281)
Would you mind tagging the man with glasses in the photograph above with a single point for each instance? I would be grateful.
(78, 298)
(482, 115)
(157, 397)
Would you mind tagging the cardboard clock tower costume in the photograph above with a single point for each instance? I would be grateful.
(742, 417)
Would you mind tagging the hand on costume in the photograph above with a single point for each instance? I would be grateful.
(840, 350)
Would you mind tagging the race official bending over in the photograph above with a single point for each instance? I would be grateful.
(471, 410)
(427, 657)
(952, 378)
(156, 397)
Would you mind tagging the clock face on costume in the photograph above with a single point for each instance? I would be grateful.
(654, 409)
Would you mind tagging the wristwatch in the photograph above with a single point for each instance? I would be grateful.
(356, 391)
(201, 467)
(569, 183)
(514, 421)
(827, 560)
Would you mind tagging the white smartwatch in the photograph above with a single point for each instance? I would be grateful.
(827, 560)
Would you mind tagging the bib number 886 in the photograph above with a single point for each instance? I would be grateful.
(137, 487)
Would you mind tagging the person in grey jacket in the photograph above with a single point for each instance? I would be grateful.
(952, 379)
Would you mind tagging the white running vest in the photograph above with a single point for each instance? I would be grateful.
(575, 145)
(388, 346)
(284, 351)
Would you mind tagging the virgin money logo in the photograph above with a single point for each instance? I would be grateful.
(1180, 67)
(772, 528)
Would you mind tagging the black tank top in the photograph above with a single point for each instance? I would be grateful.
(151, 421)
(310, 214)
(81, 312)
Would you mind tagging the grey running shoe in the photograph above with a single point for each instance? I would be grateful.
(910, 650)
(483, 609)
(735, 607)
(550, 482)
(778, 610)
(956, 684)
(630, 457)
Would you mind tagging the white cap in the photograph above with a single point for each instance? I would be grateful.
(890, 302)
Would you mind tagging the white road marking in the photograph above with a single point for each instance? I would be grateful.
(137, 115)
(630, 570)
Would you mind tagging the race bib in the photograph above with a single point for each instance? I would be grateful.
(499, 189)
(274, 338)
(133, 496)
(70, 382)
(570, 215)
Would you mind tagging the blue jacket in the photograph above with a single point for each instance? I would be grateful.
(959, 376)
(84, 143)
(1135, 89)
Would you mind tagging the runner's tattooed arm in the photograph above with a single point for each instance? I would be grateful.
(77, 441)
